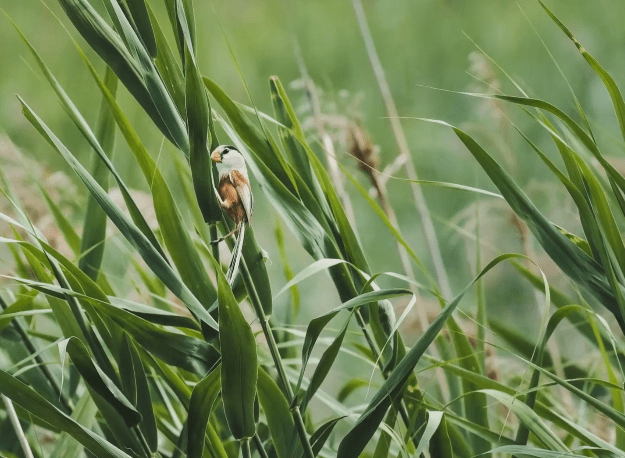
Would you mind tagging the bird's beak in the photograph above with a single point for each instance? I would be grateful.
(216, 156)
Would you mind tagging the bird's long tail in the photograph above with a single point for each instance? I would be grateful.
(237, 250)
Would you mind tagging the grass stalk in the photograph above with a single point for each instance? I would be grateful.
(15, 421)
(259, 447)
(67, 404)
(245, 448)
(277, 359)
(404, 151)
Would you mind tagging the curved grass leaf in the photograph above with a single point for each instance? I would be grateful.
(316, 325)
(530, 419)
(177, 238)
(98, 380)
(608, 81)
(320, 437)
(84, 128)
(179, 350)
(324, 366)
(36, 404)
(573, 261)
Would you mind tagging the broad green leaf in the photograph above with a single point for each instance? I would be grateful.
(440, 443)
(434, 421)
(278, 415)
(84, 413)
(203, 399)
(166, 63)
(239, 369)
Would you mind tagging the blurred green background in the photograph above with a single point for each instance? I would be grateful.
(420, 43)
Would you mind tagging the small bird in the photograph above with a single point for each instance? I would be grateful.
(235, 197)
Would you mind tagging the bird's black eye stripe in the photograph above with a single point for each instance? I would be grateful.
(227, 149)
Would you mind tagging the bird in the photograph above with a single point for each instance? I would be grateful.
(234, 195)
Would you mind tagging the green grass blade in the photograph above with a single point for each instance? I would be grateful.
(324, 366)
(84, 128)
(573, 261)
(176, 236)
(139, 11)
(136, 379)
(608, 81)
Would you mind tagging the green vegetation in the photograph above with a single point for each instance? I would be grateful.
(122, 337)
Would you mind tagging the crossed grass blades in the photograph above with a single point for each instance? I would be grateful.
(149, 380)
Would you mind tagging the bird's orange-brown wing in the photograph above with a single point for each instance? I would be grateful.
(244, 191)
(233, 207)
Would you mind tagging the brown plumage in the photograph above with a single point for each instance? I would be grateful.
(232, 203)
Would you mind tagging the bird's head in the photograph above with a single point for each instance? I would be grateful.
(228, 158)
